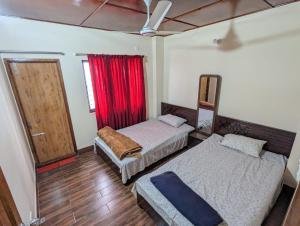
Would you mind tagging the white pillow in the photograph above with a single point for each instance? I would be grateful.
(244, 144)
(172, 120)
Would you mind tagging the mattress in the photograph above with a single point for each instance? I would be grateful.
(158, 140)
(241, 188)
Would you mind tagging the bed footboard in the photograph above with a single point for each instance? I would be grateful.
(139, 174)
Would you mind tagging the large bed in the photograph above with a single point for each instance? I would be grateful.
(158, 140)
(241, 188)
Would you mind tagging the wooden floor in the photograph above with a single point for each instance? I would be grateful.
(88, 192)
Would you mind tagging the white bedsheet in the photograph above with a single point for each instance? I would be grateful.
(239, 187)
(157, 139)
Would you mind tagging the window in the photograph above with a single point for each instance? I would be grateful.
(88, 83)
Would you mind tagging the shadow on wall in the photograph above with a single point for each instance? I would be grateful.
(231, 41)
(293, 165)
(232, 45)
(289, 179)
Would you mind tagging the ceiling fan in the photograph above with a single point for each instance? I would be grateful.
(153, 22)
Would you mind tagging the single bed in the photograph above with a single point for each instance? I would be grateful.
(158, 140)
(241, 188)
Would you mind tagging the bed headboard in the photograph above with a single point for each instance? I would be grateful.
(189, 114)
(278, 141)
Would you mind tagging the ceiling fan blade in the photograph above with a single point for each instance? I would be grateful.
(168, 32)
(129, 32)
(132, 32)
(159, 13)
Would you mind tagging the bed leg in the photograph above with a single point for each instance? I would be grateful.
(139, 201)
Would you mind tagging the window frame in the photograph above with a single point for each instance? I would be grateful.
(91, 110)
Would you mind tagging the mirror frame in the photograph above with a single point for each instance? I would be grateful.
(216, 106)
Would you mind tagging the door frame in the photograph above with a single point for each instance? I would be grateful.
(7, 61)
(8, 202)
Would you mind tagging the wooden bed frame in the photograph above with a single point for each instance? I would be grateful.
(278, 141)
(275, 217)
(187, 113)
(147, 170)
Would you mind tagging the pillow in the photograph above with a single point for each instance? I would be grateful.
(244, 144)
(172, 120)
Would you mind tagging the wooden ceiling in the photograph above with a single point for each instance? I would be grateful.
(130, 15)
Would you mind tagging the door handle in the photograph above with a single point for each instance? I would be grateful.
(38, 134)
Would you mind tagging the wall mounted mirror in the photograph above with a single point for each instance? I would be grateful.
(208, 99)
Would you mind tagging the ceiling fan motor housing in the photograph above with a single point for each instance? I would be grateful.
(153, 22)
(147, 31)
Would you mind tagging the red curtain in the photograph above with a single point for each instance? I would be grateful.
(119, 90)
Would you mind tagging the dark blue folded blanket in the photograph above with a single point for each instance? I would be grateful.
(185, 200)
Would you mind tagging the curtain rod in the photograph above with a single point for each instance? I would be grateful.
(85, 54)
(31, 52)
(80, 54)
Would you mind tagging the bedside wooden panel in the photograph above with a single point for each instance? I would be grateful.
(293, 215)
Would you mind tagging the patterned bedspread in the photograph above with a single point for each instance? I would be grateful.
(239, 187)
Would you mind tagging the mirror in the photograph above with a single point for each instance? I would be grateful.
(209, 89)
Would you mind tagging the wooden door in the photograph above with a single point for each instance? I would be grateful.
(40, 94)
(9, 215)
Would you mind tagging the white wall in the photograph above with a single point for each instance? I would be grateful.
(15, 157)
(20, 34)
(260, 79)
(26, 35)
